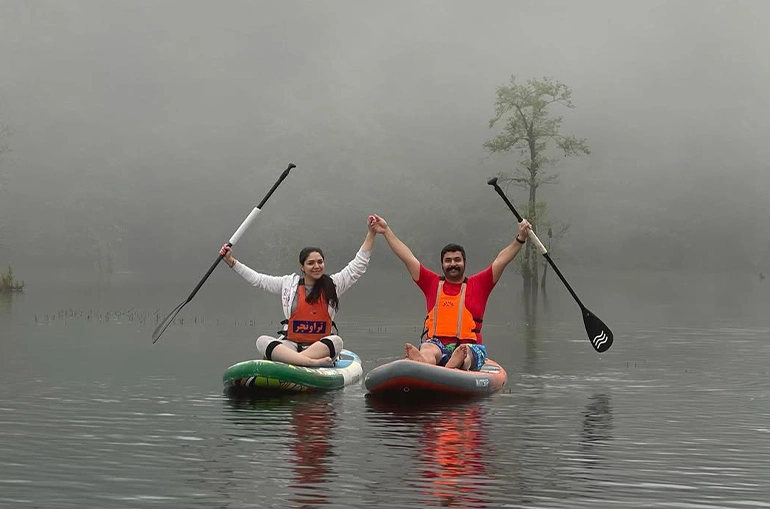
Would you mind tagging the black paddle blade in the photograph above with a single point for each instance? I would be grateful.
(166, 322)
(598, 333)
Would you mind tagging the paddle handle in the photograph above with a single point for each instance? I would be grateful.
(255, 212)
(536, 241)
(244, 225)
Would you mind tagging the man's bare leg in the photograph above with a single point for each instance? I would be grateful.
(429, 354)
(462, 358)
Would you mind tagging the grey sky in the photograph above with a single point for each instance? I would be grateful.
(156, 116)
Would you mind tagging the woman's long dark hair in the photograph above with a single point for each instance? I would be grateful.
(324, 286)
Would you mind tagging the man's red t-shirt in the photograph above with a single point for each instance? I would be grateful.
(477, 291)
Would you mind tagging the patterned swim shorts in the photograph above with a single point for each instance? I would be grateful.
(479, 353)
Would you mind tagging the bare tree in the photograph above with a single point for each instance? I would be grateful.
(530, 129)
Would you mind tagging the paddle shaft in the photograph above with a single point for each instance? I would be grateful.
(539, 245)
(242, 228)
(599, 334)
(236, 236)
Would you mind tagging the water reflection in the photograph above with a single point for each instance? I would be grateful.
(596, 431)
(450, 444)
(312, 423)
(94, 416)
(6, 302)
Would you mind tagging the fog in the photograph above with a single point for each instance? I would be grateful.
(142, 133)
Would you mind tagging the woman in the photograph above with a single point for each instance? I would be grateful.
(309, 300)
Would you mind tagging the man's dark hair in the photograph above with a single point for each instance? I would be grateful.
(450, 248)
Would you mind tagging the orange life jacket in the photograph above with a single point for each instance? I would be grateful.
(450, 321)
(309, 322)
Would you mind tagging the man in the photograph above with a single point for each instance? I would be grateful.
(455, 304)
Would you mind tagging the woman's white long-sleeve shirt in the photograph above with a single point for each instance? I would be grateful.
(286, 286)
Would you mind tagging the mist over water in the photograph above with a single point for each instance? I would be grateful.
(142, 135)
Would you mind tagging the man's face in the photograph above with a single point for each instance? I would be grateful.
(453, 266)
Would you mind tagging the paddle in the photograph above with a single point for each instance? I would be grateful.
(599, 334)
(237, 235)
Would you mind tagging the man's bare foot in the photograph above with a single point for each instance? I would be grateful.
(325, 362)
(458, 357)
(413, 354)
(469, 359)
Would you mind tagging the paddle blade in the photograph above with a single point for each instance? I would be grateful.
(162, 326)
(598, 333)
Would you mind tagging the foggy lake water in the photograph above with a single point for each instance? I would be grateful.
(675, 414)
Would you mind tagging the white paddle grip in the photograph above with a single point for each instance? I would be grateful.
(538, 245)
(244, 225)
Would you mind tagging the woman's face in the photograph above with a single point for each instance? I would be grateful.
(313, 268)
